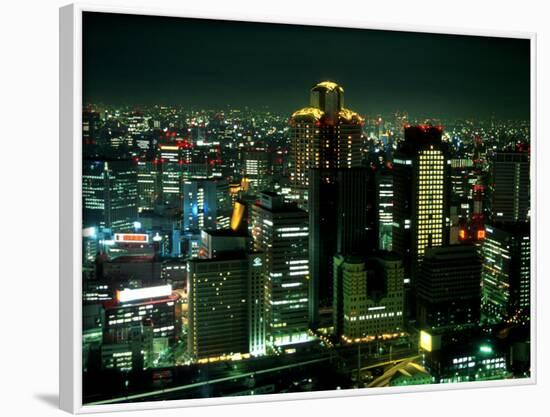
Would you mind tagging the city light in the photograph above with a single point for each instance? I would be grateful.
(128, 294)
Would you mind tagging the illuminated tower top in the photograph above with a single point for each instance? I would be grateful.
(326, 101)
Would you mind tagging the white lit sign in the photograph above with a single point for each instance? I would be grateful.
(144, 293)
(257, 262)
(89, 232)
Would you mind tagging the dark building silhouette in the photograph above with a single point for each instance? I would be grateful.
(448, 288)
(342, 219)
(509, 187)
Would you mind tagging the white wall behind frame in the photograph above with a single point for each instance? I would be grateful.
(29, 175)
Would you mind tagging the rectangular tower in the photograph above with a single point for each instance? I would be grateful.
(448, 288)
(506, 273)
(421, 181)
(509, 188)
(281, 231)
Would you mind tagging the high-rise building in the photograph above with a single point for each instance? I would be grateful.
(256, 169)
(420, 200)
(281, 231)
(206, 204)
(324, 135)
(509, 188)
(384, 205)
(109, 194)
(227, 306)
(342, 215)
(173, 159)
(148, 187)
(506, 273)
(449, 288)
(368, 297)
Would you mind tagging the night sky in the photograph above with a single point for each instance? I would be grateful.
(138, 60)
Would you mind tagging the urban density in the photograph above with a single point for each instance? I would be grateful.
(235, 251)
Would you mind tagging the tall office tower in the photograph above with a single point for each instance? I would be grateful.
(280, 230)
(472, 229)
(420, 204)
(323, 135)
(206, 204)
(509, 187)
(256, 169)
(224, 205)
(368, 297)
(148, 187)
(448, 288)
(462, 177)
(342, 217)
(384, 205)
(477, 219)
(172, 158)
(109, 194)
(227, 305)
(506, 273)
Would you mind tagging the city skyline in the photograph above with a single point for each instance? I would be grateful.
(231, 252)
(185, 62)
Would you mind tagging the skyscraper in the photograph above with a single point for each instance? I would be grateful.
(420, 199)
(506, 273)
(226, 305)
(342, 217)
(206, 204)
(448, 288)
(324, 135)
(384, 205)
(368, 297)
(256, 169)
(109, 194)
(281, 231)
(509, 187)
(148, 189)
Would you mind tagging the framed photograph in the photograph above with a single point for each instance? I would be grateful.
(290, 209)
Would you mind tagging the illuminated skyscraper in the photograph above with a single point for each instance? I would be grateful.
(206, 204)
(256, 169)
(420, 205)
(368, 297)
(509, 187)
(323, 135)
(171, 159)
(506, 273)
(280, 230)
(384, 204)
(109, 194)
(148, 188)
(227, 305)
